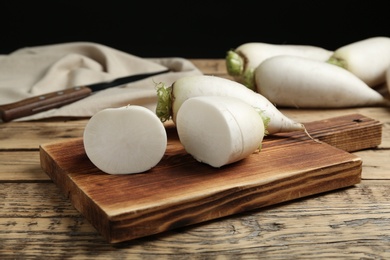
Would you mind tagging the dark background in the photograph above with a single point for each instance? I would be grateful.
(195, 29)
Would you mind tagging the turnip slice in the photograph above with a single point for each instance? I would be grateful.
(125, 140)
(219, 130)
(291, 81)
(170, 99)
(368, 59)
(243, 60)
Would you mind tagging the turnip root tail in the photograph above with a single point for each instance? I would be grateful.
(164, 102)
(302, 127)
(235, 65)
(307, 133)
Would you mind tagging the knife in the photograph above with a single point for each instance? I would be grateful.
(34, 105)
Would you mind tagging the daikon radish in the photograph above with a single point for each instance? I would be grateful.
(368, 59)
(170, 99)
(125, 140)
(242, 61)
(387, 83)
(219, 130)
(290, 81)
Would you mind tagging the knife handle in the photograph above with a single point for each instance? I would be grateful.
(33, 105)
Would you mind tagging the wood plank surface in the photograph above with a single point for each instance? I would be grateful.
(180, 191)
(350, 223)
(38, 222)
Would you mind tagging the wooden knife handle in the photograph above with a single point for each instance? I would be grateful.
(33, 105)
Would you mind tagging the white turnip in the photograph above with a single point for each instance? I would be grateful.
(125, 140)
(219, 130)
(242, 61)
(387, 83)
(291, 81)
(170, 99)
(368, 59)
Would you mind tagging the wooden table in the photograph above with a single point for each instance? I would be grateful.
(36, 220)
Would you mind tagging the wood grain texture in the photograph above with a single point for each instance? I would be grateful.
(180, 191)
(28, 135)
(329, 225)
(38, 222)
(27, 169)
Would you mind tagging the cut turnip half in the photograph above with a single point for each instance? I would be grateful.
(125, 140)
(219, 130)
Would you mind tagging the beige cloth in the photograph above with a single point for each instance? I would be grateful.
(38, 70)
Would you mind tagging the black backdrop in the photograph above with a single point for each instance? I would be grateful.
(195, 29)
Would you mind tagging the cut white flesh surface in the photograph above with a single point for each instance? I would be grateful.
(125, 140)
(219, 130)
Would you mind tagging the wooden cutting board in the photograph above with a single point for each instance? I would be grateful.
(180, 191)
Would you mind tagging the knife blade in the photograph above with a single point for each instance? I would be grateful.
(34, 105)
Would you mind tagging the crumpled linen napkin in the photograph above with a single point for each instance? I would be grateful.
(33, 71)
